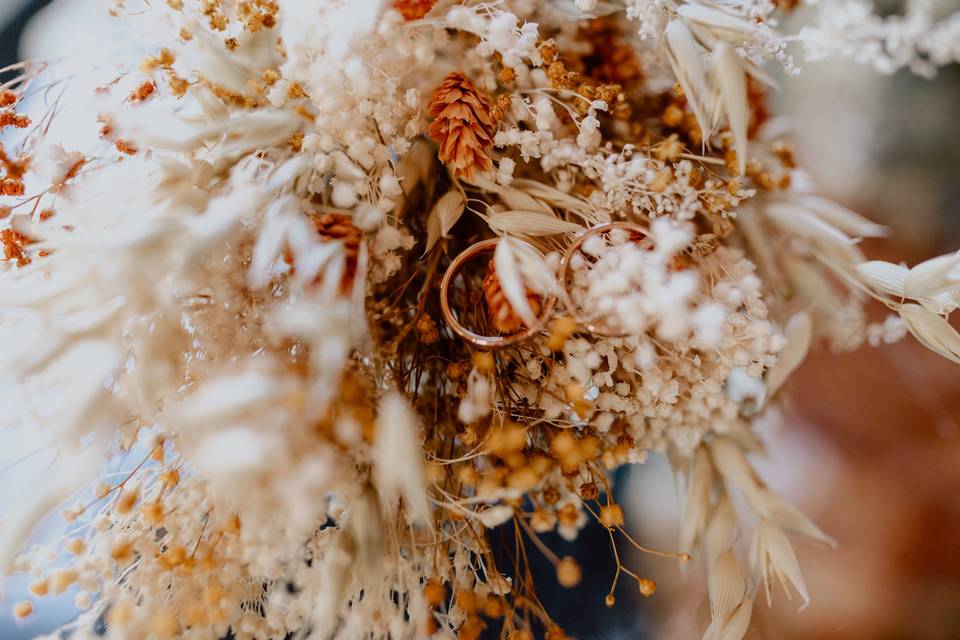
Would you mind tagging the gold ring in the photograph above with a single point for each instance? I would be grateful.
(565, 275)
(484, 342)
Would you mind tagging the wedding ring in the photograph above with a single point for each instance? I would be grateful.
(481, 341)
(596, 329)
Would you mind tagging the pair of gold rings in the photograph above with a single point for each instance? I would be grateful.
(549, 305)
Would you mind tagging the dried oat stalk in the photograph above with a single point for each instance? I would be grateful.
(462, 126)
(504, 318)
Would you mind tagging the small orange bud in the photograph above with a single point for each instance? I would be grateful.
(76, 546)
(568, 572)
(434, 592)
(647, 587)
(483, 362)
(127, 500)
(22, 609)
(611, 516)
(60, 581)
(39, 588)
(560, 331)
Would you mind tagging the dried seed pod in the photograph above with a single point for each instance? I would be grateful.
(502, 314)
(462, 126)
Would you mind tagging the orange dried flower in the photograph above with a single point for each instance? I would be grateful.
(462, 126)
(126, 147)
(336, 226)
(502, 314)
(13, 243)
(414, 9)
(10, 118)
(144, 91)
(7, 98)
(613, 59)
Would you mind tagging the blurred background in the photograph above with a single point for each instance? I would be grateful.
(868, 444)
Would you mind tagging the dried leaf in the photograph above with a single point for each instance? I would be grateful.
(812, 285)
(732, 87)
(770, 505)
(726, 587)
(719, 534)
(799, 335)
(884, 276)
(697, 500)
(738, 622)
(717, 20)
(733, 466)
(551, 195)
(508, 273)
(530, 223)
(805, 224)
(848, 221)
(686, 59)
(933, 276)
(932, 331)
(771, 554)
(520, 200)
(445, 213)
(398, 457)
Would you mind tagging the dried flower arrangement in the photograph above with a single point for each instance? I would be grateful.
(356, 282)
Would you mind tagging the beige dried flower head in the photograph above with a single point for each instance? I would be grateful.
(462, 126)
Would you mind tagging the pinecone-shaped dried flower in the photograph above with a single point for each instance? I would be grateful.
(502, 314)
(462, 125)
(414, 9)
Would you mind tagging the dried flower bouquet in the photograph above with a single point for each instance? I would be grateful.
(353, 283)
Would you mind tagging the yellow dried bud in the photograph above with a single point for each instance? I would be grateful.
(60, 581)
(22, 609)
(163, 625)
(483, 362)
(673, 116)
(39, 588)
(661, 181)
(568, 572)
(647, 587)
(127, 500)
(152, 513)
(611, 516)
(609, 600)
(102, 490)
(574, 394)
(434, 592)
(493, 607)
(467, 600)
(560, 331)
(118, 615)
(76, 546)
(122, 552)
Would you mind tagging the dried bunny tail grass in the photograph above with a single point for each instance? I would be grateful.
(462, 125)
